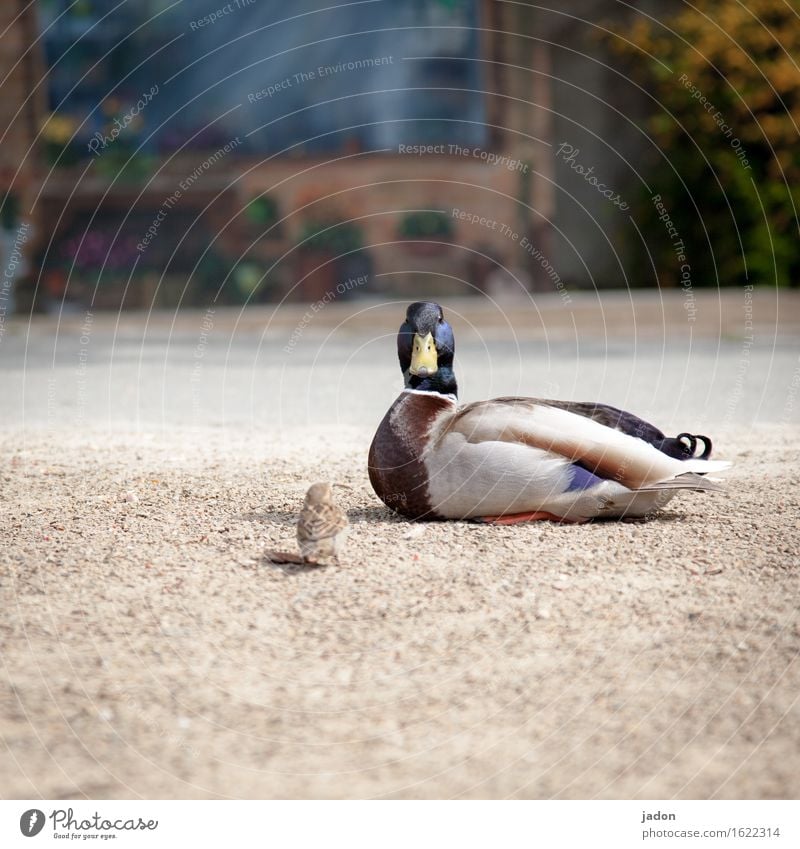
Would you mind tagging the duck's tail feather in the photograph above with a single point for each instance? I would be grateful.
(689, 480)
(706, 467)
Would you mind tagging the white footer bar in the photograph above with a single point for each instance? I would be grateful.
(400, 825)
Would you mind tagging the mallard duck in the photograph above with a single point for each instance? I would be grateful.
(518, 459)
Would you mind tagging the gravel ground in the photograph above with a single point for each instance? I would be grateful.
(150, 650)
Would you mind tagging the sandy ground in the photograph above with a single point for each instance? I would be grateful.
(149, 649)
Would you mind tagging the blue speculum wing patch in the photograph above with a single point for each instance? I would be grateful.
(581, 479)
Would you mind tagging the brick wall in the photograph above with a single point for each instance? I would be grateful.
(22, 96)
(542, 85)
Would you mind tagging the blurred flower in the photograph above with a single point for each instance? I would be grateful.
(59, 128)
(97, 248)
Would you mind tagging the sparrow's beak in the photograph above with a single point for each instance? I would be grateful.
(424, 360)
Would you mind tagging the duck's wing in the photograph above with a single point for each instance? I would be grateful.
(682, 447)
(583, 441)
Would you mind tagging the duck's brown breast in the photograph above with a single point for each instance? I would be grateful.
(396, 465)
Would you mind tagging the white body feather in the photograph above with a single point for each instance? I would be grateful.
(503, 458)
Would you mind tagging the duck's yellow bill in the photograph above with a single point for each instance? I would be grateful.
(424, 359)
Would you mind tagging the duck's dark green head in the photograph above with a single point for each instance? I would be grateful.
(425, 348)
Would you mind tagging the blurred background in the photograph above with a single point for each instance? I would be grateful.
(163, 154)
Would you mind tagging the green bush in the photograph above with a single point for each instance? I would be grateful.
(726, 86)
(427, 224)
(334, 237)
(263, 212)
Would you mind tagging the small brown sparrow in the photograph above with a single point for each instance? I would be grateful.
(322, 526)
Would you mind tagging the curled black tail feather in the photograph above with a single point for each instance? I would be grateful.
(684, 446)
(693, 440)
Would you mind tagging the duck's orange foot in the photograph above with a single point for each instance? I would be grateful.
(518, 518)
